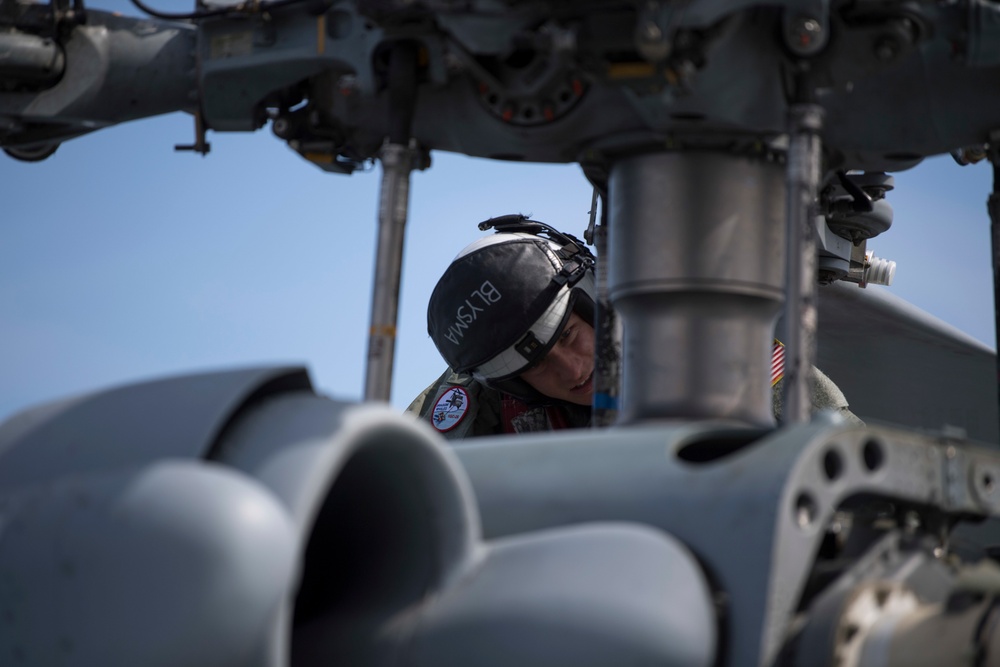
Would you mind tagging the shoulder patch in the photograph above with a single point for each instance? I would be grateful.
(777, 362)
(450, 409)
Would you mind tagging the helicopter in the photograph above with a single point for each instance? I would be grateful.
(845, 535)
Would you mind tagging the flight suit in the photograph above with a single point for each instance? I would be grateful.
(459, 407)
(483, 410)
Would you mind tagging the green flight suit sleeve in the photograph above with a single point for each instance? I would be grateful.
(482, 417)
(824, 395)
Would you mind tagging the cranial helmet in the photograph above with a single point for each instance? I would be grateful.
(504, 300)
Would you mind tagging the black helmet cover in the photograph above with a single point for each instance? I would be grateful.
(504, 300)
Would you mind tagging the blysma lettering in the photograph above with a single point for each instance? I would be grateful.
(468, 315)
(486, 295)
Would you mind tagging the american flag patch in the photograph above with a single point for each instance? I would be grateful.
(777, 362)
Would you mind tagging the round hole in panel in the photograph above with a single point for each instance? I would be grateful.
(872, 455)
(833, 464)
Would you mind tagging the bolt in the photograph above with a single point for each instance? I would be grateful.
(805, 35)
(909, 27)
(651, 32)
(807, 31)
(452, 63)
(886, 49)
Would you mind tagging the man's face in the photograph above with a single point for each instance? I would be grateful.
(567, 371)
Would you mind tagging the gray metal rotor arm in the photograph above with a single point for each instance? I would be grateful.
(236, 518)
(115, 69)
(528, 81)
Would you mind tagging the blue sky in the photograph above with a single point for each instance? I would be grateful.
(123, 260)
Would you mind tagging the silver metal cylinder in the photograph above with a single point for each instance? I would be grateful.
(697, 272)
(30, 60)
(803, 180)
(397, 163)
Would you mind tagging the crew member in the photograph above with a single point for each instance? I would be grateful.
(513, 316)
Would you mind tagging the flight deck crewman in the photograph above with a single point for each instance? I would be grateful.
(513, 317)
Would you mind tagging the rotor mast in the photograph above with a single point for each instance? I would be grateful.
(699, 302)
(399, 157)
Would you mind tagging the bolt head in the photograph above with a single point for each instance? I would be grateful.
(886, 49)
(805, 35)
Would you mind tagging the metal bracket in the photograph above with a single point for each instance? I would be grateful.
(200, 145)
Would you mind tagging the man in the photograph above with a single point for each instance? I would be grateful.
(513, 315)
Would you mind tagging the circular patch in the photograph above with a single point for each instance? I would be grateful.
(450, 409)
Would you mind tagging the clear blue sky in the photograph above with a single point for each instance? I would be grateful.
(122, 260)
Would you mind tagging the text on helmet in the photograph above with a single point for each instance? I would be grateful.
(468, 312)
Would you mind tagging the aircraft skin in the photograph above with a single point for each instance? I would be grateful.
(238, 518)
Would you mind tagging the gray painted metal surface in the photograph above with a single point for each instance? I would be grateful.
(117, 69)
(755, 516)
(897, 364)
(308, 531)
(375, 549)
(591, 595)
(129, 426)
(600, 594)
(729, 82)
(583, 555)
(171, 563)
(700, 273)
(398, 161)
